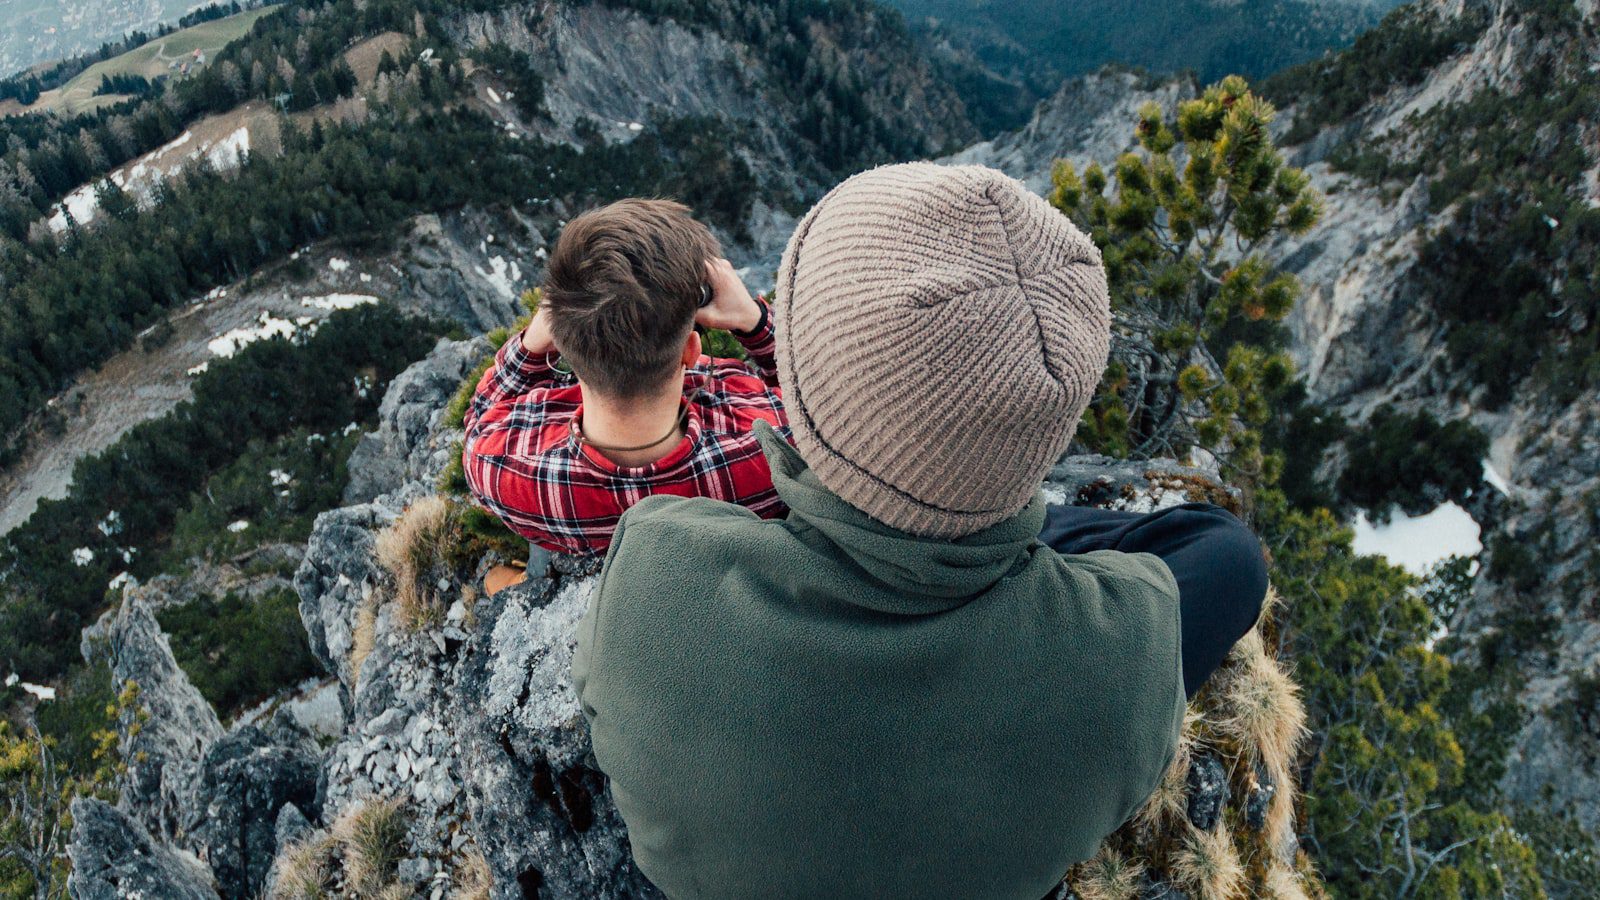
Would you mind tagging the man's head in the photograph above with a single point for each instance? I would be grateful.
(940, 332)
(622, 287)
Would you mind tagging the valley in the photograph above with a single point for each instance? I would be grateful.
(1449, 291)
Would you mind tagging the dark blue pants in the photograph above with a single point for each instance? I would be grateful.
(1214, 557)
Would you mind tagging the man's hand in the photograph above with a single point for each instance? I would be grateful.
(536, 338)
(731, 305)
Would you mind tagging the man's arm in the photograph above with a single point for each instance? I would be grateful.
(520, 366)
(506, 425)
(746, 317)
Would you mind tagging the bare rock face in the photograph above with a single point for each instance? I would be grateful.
(249, 780)
(114, 858)
(198, 807)
(176, 726)
(539, 803)
(402, 448)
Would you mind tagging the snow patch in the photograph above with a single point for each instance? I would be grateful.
(82, 556)
(238, 526)
(492, 95)
(1495, 479)
(122, 580)
(338, 301)
(339, 265)
(1417, 543)
(502, 276)
(231, 150)
(196, 370)
(38, 690)
(266, 326)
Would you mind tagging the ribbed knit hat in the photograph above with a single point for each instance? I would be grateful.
(940, 331)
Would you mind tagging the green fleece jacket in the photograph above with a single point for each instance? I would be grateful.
(821, 706)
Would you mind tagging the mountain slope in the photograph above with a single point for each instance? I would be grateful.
(1029, 46)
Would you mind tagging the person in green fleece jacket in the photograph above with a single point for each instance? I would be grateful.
(899, 690)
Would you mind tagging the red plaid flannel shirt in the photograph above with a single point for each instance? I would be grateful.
(524, 465)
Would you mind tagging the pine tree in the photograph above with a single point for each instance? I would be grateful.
(1198, 366)
(1191, 365)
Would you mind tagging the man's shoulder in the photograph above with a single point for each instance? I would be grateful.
(1143, 569)
(672, 535)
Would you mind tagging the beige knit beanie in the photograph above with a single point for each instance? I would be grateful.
(940, 331)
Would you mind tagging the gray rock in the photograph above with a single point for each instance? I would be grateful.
(540, 809)
(292, 826)
(1155, 889)
(248, 778)
(1259, 800)
(1208, 791)
(176, 725)
(114, 858)
(1134, 485)
(403, 447)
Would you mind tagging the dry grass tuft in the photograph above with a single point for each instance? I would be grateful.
(363, 637)
(305, 871)
(372, 838)
(1208, 866)
(473, 880)
(1260, 706)
(1108, 876)
(469, 600)
(1283, 883)
(358, 857)
(416, 550)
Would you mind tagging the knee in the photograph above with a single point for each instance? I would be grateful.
(1234, 553)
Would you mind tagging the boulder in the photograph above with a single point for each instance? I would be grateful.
(409, 444)
(540, 809)
(248, 779)
(114, 858)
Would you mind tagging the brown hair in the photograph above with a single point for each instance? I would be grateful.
(622, 287)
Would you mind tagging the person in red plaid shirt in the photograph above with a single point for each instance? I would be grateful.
(559, 456)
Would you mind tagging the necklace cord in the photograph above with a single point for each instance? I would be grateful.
(577, 434)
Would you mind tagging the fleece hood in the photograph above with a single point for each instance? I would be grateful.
(925, 575)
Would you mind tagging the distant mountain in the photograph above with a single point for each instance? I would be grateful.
(35, 31)
(1028, 46)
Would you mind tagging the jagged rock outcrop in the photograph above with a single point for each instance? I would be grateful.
(198, 807)
(114, 858)
(249, 781)
(407, 445)
(529, 768)
(167, 729)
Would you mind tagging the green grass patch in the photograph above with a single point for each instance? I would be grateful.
(151, 60)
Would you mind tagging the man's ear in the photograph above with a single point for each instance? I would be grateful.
(691, 349)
